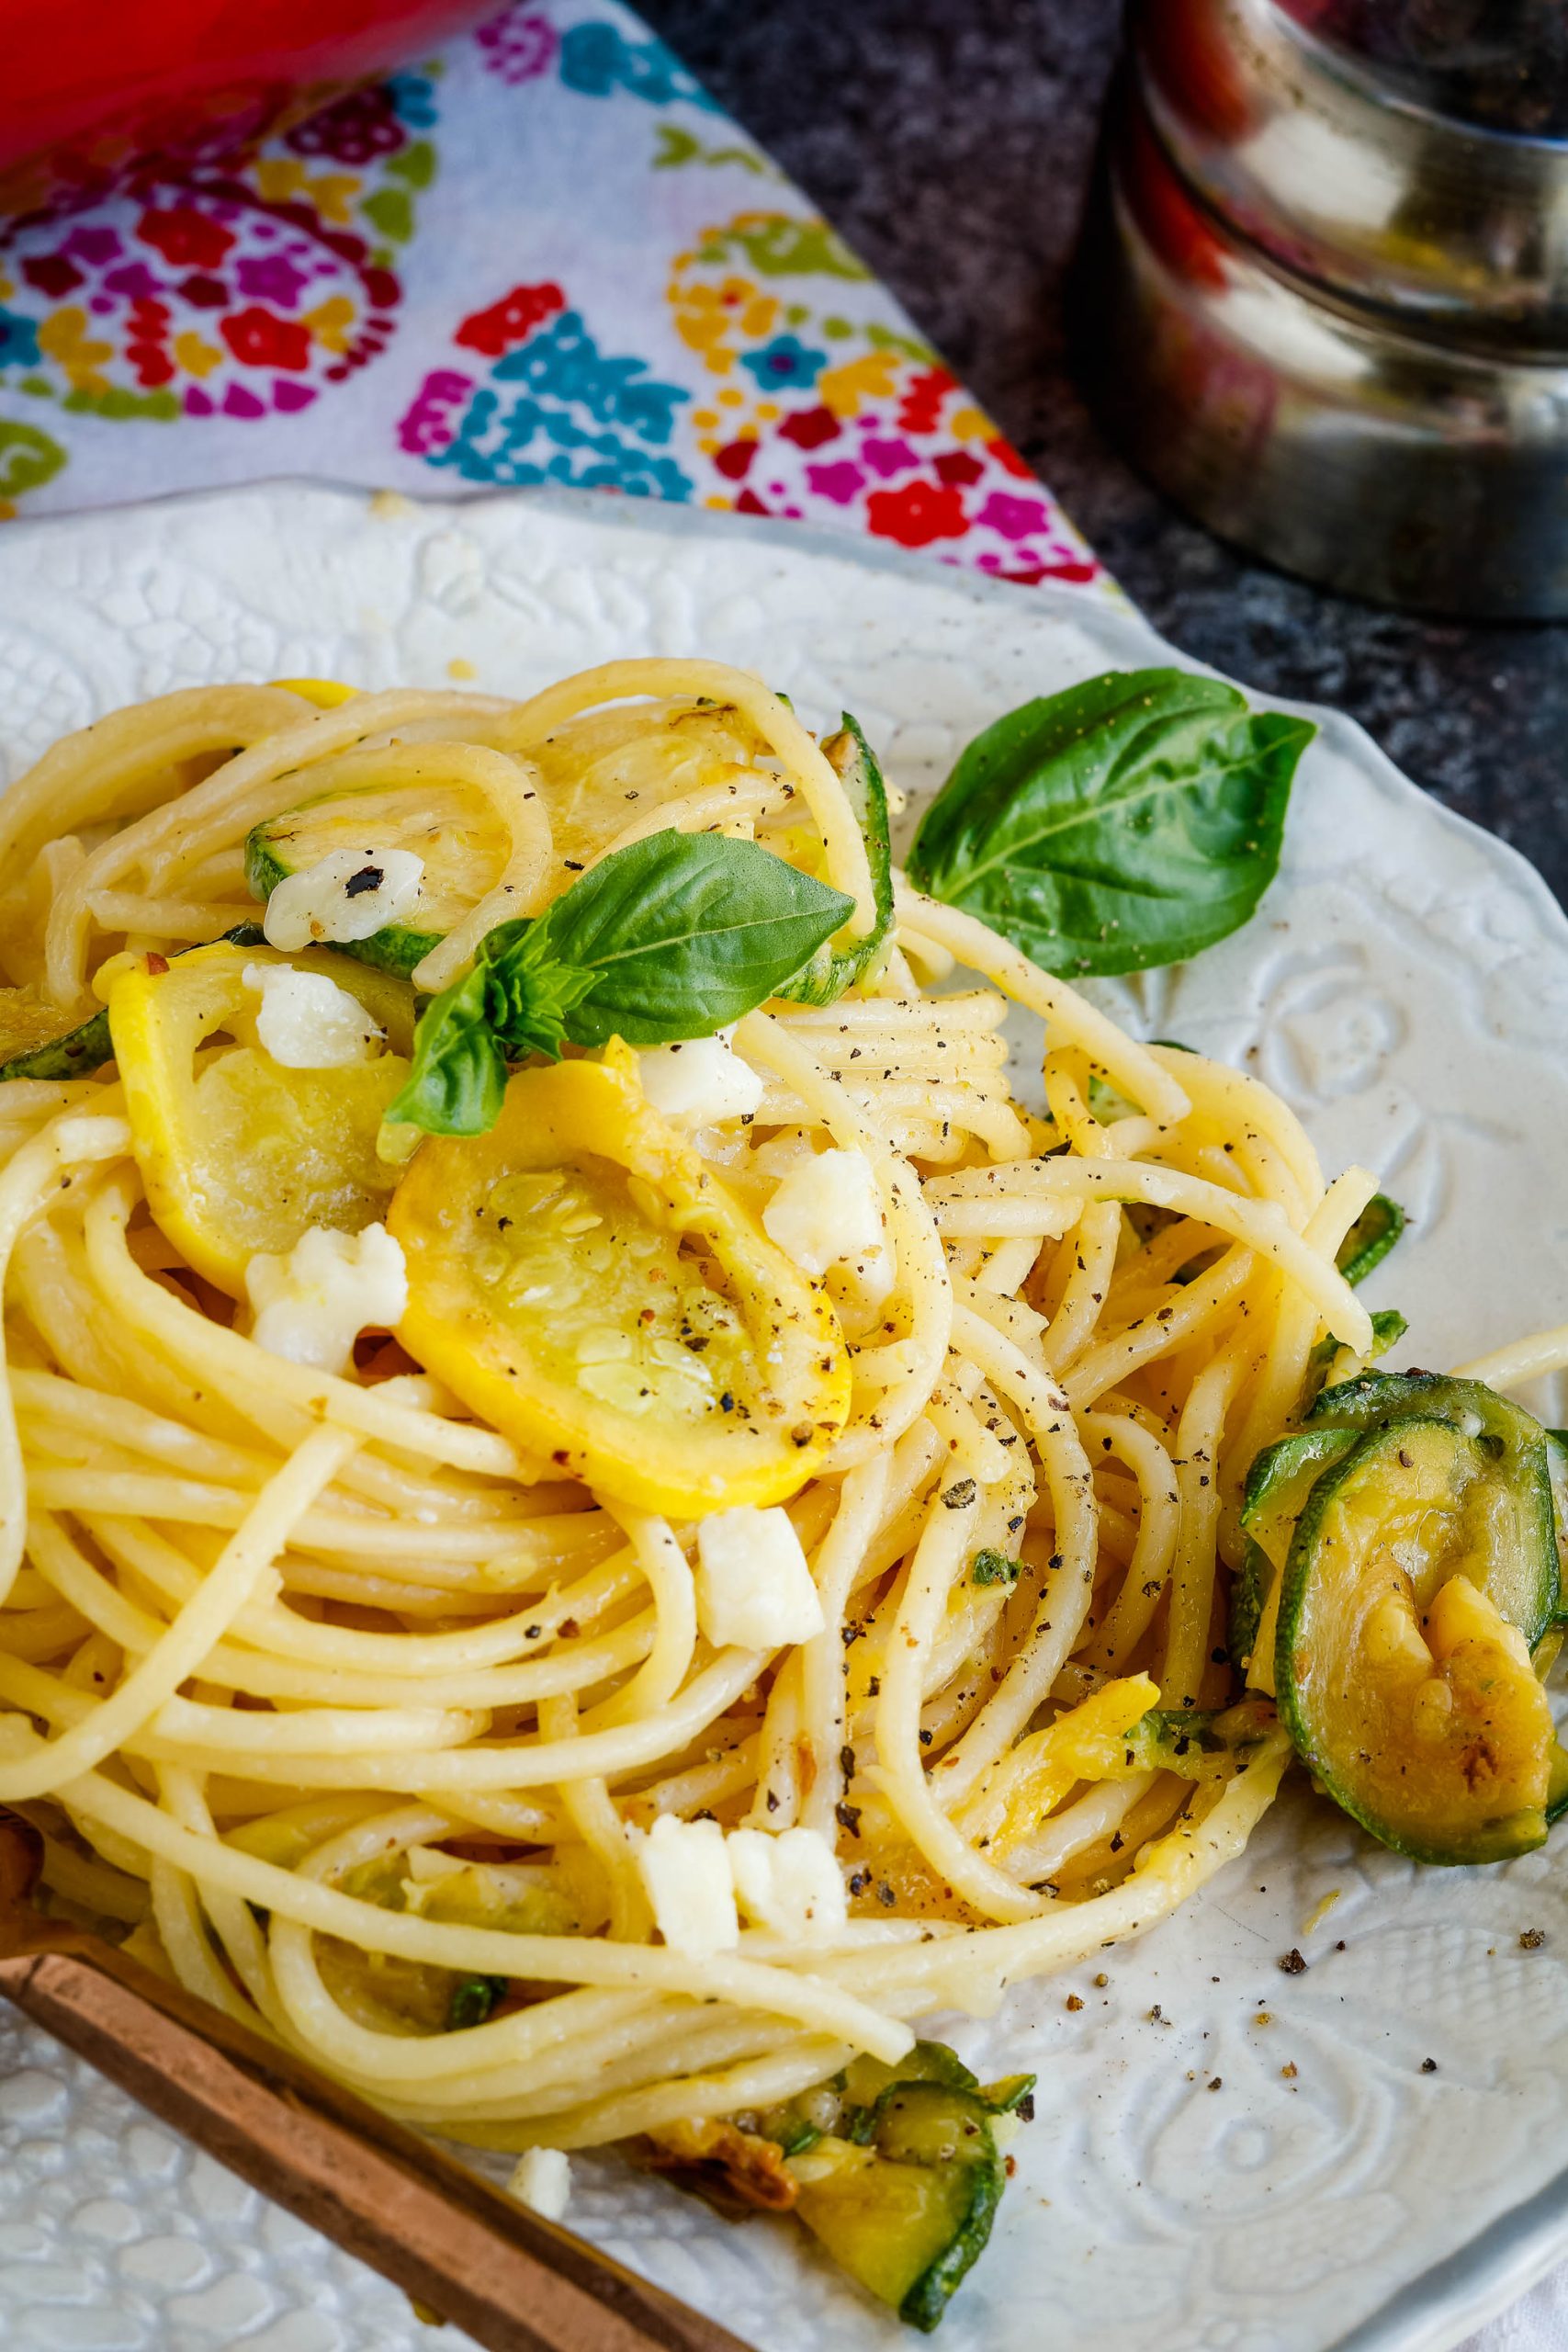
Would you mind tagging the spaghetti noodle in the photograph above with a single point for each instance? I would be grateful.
(332, 1695)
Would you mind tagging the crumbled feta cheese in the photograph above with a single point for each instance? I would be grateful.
(542, 2180)
(754, 1587)
(311, 1306)
(685, 1870)
(348, 894)
(826, 1208)
(307, 1022)
(701, 1081)
(788, 1880)
(781, 1152)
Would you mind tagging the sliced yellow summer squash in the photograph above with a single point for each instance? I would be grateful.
(582, 1279)
(239, 1154)
(327, 693)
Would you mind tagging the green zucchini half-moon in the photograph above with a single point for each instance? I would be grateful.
(908, 2212)
(1402, 1656)
(1525, 1575)
(34, 1045)
(463, 858)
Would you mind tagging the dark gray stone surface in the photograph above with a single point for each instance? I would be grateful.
(951, 141)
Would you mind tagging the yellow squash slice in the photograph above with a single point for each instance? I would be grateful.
(580, 1278)
(327, 693)
(238, 1153)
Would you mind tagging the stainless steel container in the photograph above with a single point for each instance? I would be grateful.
(1323, 297)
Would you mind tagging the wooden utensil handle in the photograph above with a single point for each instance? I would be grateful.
(515, 2281)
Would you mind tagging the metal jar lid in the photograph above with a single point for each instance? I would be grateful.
(1415, 469)
(1342, 169)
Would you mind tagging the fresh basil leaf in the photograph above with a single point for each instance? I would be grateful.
(528, 995)
(832, 970)
(1129, 822)
(681, 932)
(671, 937)
(457, 1076)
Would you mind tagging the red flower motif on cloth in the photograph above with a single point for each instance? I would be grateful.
(920, 411)
(353, 130)
(1007, 458)
(185, 236)
(916, 514)
(261, 340)
(810, 428)
(511, 320)
(241, 286)
(862, 427)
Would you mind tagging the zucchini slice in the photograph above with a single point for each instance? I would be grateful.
(1523, 1577)
(463, 858)
(1557, 1478)
(897, 2171)
(1330, 1363)
(1402, 1659)
(1370, 1238)
(1249, 1592)
(833, 969)
(34, 1045)
(1557, 1783)
(909, 2212)
(1277, 1486)
(1279, 1482)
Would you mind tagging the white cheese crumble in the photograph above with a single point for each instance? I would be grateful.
(311, 1306)
(685, 1870)
(788, 1880)
(542, 2181)
(349, 893)
(702, 1080)
(307, 1022)
(826, 1209)
(755, 1589)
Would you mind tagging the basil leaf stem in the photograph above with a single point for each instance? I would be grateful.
(673, 937)
(1126, 822)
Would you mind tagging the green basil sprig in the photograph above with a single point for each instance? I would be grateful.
(671, 937)
(1129, 822)
(833, 969)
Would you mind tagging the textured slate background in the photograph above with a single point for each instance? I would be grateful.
(951, 140)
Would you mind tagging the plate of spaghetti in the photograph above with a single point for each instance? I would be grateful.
(708, 1470)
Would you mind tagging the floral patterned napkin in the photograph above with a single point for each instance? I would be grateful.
(543, 255)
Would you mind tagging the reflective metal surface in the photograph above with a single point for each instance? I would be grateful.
(1317, 158)
(1331, 323)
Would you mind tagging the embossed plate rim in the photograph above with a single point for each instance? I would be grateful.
(1435, 2308)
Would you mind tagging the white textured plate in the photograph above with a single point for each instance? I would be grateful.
(1270, 2165)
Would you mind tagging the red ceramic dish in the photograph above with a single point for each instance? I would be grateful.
(91, 88)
